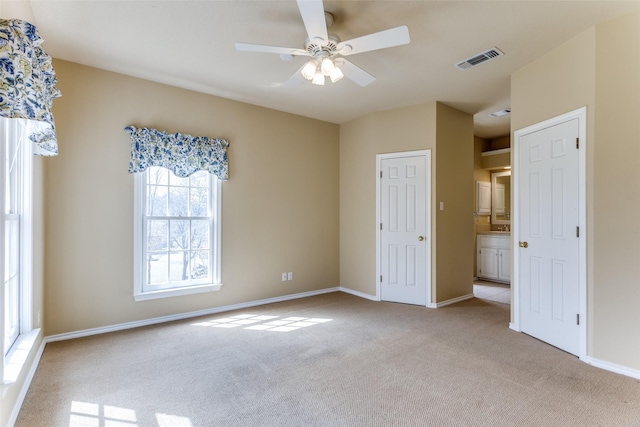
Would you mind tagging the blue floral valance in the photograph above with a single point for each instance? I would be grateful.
(180, 153)
(28, 83)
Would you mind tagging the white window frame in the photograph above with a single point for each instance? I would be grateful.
(14, 358)
(140, 239)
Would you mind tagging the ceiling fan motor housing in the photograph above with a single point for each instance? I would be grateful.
(329, 49)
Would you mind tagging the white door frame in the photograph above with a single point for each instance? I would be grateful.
(581, 115)
(428, 228)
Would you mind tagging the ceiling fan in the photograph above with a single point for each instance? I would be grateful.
(327, 50)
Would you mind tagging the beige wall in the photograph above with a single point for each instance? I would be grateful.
(498, 143)
(280, 205)
(449, 134)
(496, 161)
(357, 202)
(455, 187)
(404, 129)
(616, 193)
(599, 69)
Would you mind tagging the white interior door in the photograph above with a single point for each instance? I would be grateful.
(403, 228)
(549, 248)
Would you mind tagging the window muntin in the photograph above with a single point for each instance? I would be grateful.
(178, 233)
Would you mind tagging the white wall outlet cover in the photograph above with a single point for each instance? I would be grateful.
(290, 276)
(284, 277)
(441, 206)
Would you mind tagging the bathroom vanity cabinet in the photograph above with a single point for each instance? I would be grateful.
(494, 257)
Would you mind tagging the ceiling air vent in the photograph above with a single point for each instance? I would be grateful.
(501, 112)
(478, 59)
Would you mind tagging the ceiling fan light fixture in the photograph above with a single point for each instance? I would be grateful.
(327, 66)
(336, 74)
(318, 79)
(309, 70)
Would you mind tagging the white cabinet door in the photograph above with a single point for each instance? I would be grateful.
(483, 198)
(494, 257)
(504, 264)
(488, 263)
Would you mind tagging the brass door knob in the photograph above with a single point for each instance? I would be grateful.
(524, 244)
(421, 238)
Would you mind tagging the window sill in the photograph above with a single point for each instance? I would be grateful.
(166, 293)
(17, 357)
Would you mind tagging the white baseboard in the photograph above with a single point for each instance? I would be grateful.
(514, 327)
(359, 294)
(612, 367)
(181, 316)
(451, 301)
(26, 385)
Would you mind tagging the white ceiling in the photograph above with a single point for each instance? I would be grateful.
(190, 44)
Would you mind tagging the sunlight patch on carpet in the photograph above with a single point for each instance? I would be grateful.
(85, 414)
(263, 323)
(165, 420)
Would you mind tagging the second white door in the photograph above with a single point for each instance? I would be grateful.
(403, 228)
(549, 235)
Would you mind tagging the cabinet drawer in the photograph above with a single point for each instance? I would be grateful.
(494, 241)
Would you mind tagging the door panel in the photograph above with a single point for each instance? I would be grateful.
(504, 265)
(489, 262)
(549, 215)
(403, 223)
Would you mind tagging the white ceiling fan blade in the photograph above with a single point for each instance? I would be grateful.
(249, 47)
(388, 38)
(312, 12)
(355, 73)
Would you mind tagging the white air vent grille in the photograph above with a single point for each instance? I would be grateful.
(501, 112)
(478, 59)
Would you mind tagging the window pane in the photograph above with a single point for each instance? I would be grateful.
(11, 313)
(199, 201)
(157, 199)
(179, 266)
(179, 232)
(199, 234)
(200, 264)
(157, 176)
(176, 181)
(157, 268)
(12, 246)
(178, 201)
(11, 281)
(200, 179)
(157, 238)
(12, 171)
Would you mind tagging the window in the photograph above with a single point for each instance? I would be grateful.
(16, 170)
(177, 233)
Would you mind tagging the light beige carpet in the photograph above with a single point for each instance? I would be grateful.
(330, 360)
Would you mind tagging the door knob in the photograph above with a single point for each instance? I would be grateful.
(524, 244)
(421, 238)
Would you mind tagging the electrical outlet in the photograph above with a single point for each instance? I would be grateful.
(290, 275)
(284, 277)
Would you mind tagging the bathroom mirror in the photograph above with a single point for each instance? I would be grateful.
(501, 197)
